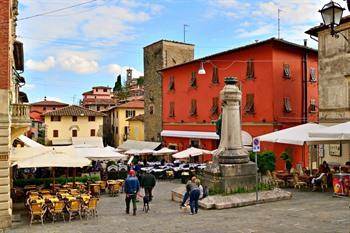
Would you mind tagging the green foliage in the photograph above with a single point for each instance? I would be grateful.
(140, 81)
(266, 161)
(123, 94)
(288, 159)
(47, 181)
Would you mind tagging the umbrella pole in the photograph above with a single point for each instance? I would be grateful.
(74, 175)
(53, 181)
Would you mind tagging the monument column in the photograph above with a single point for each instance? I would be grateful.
(231, 146)
(231, 169)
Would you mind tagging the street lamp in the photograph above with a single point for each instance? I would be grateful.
(201, 68)
(332, 13)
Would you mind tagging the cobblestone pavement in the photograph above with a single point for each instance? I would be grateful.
(305, 212)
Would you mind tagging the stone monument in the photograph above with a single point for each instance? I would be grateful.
(231, 169)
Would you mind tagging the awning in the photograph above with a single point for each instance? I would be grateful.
(97, 153)
(164, 151)
(246, 137)
(61, 142)
(138, 145)
(29, 142)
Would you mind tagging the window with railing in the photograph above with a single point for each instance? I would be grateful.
(249, 106)
(193, 80)
(250, 69)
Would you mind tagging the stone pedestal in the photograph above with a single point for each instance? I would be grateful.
(229, 178)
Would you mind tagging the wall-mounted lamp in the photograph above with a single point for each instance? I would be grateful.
(201, 68)
(332, 14)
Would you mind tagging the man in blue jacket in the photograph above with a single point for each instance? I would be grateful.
(131, 188)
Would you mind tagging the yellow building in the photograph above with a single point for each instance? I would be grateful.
(73, 121)
(136, 128)
(116, 124)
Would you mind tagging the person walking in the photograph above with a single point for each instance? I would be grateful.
(148, 181)
(131, 188)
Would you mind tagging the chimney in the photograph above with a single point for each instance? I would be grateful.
(305, 42)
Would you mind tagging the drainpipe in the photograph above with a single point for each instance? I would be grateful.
(304, 85)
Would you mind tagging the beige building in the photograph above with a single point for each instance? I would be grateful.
(334, 84)
(116, 124)
(14, 115)
(73, 121)
(157, 56)
(136, 128)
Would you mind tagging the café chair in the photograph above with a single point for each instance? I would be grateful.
(278, 182)
(297, 183)
(91, 208)
(57, 209)
(74, 207)
(37, 210)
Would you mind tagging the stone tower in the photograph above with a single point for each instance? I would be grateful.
(157, 56)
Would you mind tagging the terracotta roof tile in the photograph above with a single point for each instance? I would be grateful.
(73, 110)
(48, 103)
(133, 104)
(137, 118)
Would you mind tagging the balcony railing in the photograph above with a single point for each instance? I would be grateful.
(20, 114)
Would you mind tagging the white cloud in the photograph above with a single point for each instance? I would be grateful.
(117, 69)
(261, 30)
(103, 21)
(41, 65)
(78, 62)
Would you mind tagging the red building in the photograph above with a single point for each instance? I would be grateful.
(279, 87)
(99, 98)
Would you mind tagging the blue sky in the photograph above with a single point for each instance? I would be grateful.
(69, 52)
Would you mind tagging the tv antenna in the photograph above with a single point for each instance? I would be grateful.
(185, 25)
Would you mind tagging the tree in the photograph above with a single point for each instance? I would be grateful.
(118, 84)
(140, 81)
(123, 93)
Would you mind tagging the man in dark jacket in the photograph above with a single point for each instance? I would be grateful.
(131, 188)
(148, 182)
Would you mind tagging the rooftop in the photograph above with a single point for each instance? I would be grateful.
(171, 41)
(271, 40)
(73, 110)
(48, 103)
(314, 30)
(133, 104)
(137, 118)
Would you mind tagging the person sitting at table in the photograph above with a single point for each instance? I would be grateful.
(323, 170)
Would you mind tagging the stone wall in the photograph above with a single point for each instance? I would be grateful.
(157, 56)
(7, 33)
(334, 77)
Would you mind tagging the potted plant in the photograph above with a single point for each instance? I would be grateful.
(288, 160)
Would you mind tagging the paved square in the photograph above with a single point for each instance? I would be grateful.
(306, 212)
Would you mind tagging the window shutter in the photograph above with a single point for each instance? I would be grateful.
(215, 77)
(250, 69)
(171, 86)
(193, 111)
(286, 71)
(312, 107)
(287, 105)
(172, 109)
(249, 106)
(193, 81)
(215, 106)
(313, 77)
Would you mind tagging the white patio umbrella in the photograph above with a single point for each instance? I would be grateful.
(132, 152)
(339, 131)
(163, 151)
(192, 151)
(100, 154)
(54, 158)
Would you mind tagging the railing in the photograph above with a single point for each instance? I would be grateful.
(20, 113)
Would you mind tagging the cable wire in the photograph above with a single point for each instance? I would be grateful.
(57, 10)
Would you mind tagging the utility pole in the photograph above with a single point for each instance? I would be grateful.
(185, 25)
(278, 23)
